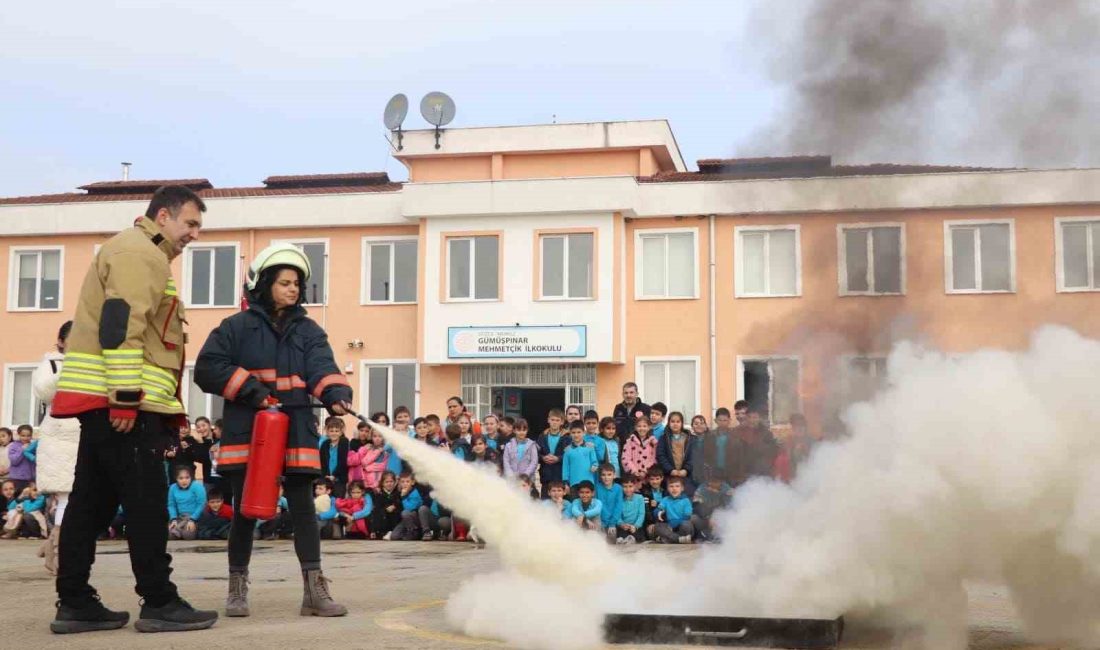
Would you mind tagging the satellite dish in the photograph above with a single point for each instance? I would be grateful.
(438, 109)
(396, 110)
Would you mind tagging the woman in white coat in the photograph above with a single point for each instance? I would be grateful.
(58, 441)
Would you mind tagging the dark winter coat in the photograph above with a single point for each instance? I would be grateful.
(548, 473)
(624, 418)
(246, 359)
(341, 473)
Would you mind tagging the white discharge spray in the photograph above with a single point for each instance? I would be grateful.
(981, 466)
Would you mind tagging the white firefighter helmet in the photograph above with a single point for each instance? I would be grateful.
(277, 255)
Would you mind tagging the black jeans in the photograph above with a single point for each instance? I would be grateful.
(115, 468)
(298, 490)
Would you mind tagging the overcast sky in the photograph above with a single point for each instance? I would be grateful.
(237, 91)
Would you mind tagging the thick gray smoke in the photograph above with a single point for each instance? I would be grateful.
(983, 466)
(982, 82)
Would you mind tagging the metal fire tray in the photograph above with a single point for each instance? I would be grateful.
(723, 631)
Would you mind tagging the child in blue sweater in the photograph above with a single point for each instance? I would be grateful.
(631, 528)
(558, 501)
(674, 515)
(26, 514)
(579, 461)
(186, 500)
(278, 526)
(608, 447)
(586, 508)
(409, 528)
(610, 495)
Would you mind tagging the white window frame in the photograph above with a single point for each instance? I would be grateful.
(185, 395)
(313, 240)
(842, 259)
(738, 256)
(565, 267)
(640, 377)
(739, 382)
(364, 380)
(364, 268)
(949, 254)
(639, 263)
(447, 239)
(13, 277)
(1059, 260)
(846, 368)
(9, 395)
(189, 251)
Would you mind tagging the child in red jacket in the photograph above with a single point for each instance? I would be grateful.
(216, 516)
(355, 511)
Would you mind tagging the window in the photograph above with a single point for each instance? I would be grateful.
(35, 279)
(316, 289)
(388, 385)
(979, 257)
(1078, 252)
(672, 381)
(864, 376)
(871, 260)
(473, 265)
(769, 261)
(389, 271)
(200, 403)
(771, 383)
(664, 264)
(567, 265)
(20, 404)
(211, 274)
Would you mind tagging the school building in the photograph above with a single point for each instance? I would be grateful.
(535, 266)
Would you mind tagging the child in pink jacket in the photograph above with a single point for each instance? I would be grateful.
(640, 451)
(372, 461)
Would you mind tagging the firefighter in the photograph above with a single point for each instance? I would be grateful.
(120, 378)
(274, 353)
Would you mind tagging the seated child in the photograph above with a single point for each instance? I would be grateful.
(355, 510)
(714, 495)
(435, 521)
(7, 497)
(117, 529)
(558, 501)
(386, 513)
(409, 527)
(674, 515)
(324, 504)
(653, 491)
(216, 517)
(186, 499)
(525, 483)
(579, 462)
(585, 509)
(26, 514)
(610, 494)
(279, 526)
(631, 528)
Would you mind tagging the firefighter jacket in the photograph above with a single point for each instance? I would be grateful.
(125, 351)
(246, 359)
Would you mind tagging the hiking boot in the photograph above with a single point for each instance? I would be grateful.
(176, 616)
(685, 539)
(236, 603)
(316, 600)
(89, 618)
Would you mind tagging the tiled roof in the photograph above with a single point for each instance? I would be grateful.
(274, 186)
(726, 169)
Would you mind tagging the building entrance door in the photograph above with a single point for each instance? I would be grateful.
(531, 404)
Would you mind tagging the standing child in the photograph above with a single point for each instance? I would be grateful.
(437, 434)
(5, 444)
(507, 431)
(460, 449)
(653, 491)
(608, 447)
(490, 429)
(572, 414)
(631, 528)
(373, 460)
(521, 455)
(586, 508)
(610, 495)
(466, 426)
(409, 527)
(402, 422)
(579, 461)
(675, 451)
(422, 431)
(657, 414)
(21, 468)
(26, 514)
(387, 507)
(355, 510)
(674, 515)
(216, 517)
(591, 426)
(552, 445)
(640, 451)
(334, 455)
(186, 499)
(481, 453)
(361, 439)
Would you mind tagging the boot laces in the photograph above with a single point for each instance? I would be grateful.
(321, 585)
(238, 585)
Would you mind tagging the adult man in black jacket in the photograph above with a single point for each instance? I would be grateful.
(629, 410)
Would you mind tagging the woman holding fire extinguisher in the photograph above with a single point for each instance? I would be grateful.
(274, 354)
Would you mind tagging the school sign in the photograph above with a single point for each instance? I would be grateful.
(517, 342)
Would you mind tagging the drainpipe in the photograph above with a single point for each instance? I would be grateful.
(711, 309)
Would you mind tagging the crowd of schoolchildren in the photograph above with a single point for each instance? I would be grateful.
(641, 475)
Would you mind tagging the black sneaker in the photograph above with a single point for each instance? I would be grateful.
(177, 616)
(89, 618)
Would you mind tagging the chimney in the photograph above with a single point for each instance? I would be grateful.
(126, 171)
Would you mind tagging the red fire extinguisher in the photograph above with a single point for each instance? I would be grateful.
(266, 456)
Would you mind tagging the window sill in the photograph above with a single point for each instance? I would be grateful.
(767, 295)
(564, 299)
(385, 303)
(866, 294)
(978, 292)
(35, 309)
(236, 305)
(666, 297)
(462, 301)
(1079, 290)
